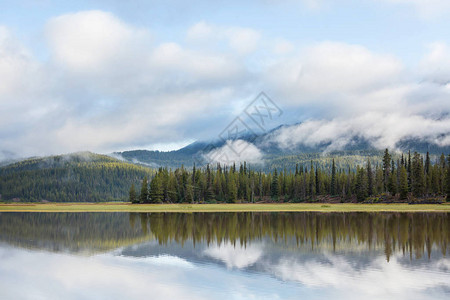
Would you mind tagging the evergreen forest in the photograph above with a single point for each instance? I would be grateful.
(409, 178)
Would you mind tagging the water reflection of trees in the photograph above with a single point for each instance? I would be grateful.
(412, 233)
(72, 232)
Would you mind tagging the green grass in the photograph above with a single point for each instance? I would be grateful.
(127, 207)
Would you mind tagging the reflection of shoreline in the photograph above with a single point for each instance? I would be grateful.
(413, 234)
(82, 233)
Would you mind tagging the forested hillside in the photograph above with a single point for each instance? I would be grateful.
(88, 177)
(344, 160)
(176, 159)
(79, 177)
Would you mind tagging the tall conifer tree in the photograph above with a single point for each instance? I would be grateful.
(132, 194)
(143, 197)
(403, 186)
(333, 178)
(418, 180)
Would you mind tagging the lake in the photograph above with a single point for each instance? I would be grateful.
(224, 255)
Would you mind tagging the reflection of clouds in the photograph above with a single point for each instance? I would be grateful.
(46, 275)
(162, 260)
(379, 279)
(235, 256)
(443, 265)
(41, 275)
(284, 275)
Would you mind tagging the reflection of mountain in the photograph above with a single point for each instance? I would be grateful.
(305, 233)
(72, 232)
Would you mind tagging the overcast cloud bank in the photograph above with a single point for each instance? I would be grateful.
(108, 85)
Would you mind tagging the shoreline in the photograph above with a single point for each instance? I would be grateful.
(244, 207)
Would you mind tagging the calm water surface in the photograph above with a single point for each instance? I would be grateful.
(224, 256)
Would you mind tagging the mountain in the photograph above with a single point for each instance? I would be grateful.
(355, 148)
(77, 177)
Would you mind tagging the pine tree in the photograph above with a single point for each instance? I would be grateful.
(386, 169)
(427, 174)
(448, 178)
(442, 160)
(156, 191)
(275, 189)
(132, 195)
(434, 181)
(189, 193)
(312, 181)
(378, 180)
(403, 187)
(333, 178)
(348, 188)
(231, 189)
(427, 163)
(442, 174)
(361, 184)
(409, 171)
(194, 183)
(209, 193)
(252, 190)
(143, 197)
(369, 178)
(172, 194)
(392, 184)
(417, 178)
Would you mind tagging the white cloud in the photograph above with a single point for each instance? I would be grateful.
(200, 31)
(359, 93)
(426, 8)
(381, 130)
(241, 40)
(283, 47)
(108, 85)
(171, 58)
(331, 70)
(91, 41)
(236, 151)
(15, 63)
(235, 256)
(436, 64)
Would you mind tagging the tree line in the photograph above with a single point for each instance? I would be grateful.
(410, 176)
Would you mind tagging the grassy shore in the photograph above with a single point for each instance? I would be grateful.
(285, 207)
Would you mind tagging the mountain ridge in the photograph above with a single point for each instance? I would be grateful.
(266, 143)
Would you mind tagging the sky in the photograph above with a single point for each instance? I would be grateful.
(107, 76)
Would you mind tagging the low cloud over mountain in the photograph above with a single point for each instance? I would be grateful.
(98, 80)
